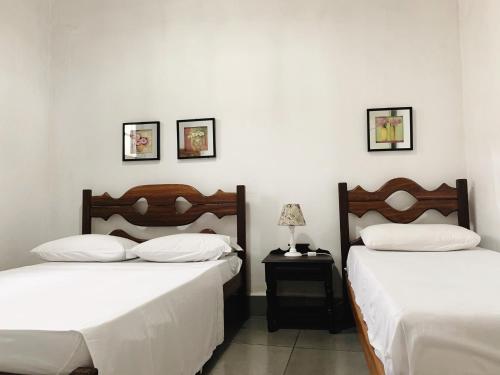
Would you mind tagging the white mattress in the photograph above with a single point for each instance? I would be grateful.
(49, 318)
(430, 313)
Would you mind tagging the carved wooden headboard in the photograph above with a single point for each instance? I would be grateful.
(161, 208)
(358, 201)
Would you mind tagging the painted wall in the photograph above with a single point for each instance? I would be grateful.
(288, 83)
(24, 98)
(480, 42)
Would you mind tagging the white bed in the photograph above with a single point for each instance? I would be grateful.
(430, 313)
(61, 316)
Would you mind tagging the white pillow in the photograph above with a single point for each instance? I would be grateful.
(419, 237)
(86, 248)
(230, 241)
(186, 247)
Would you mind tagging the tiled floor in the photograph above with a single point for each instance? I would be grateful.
(254, 351)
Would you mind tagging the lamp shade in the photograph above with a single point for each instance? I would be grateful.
(292, 215)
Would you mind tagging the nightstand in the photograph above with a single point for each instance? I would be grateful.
(288, 312)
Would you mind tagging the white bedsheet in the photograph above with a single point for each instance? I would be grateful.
(125, 318)
(430, 313)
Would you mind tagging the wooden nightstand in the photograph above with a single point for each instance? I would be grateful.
(287, 312)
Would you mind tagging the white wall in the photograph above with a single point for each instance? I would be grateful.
(289, 83)
(480, 42)
(24, 98)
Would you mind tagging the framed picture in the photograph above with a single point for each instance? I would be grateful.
(196, 138)
(390, 129)
(141, 141)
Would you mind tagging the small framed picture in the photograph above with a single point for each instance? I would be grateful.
(141, 141)
(196, 138)
(390, 129)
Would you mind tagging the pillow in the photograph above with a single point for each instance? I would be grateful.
(86, 248)
(186, 247)
(232, 242)
(419, 237)
(234, 246)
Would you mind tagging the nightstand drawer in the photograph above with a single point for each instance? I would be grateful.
(313, 272)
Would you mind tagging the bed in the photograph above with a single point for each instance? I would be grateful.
(419, 312)
(131, 317)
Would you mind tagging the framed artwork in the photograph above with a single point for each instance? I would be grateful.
(196, 138)
(141, 141)
(390, 129)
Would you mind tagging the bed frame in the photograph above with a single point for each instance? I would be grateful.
(162, 212)
(358, 201)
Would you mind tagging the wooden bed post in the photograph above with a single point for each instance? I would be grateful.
(86, 212)
(241, 216)
(463, 203)
(344, 232)
(242, 241)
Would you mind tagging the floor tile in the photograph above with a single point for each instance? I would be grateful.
(326, 362)
(243, 359)
(260, 336)
(317, 339)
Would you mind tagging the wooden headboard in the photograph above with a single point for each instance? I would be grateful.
(161, 210)
(358, 201)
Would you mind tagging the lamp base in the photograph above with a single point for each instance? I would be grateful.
(293, 253)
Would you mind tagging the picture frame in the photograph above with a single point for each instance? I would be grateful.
(196, 138)
(141, 141)
(390, 129)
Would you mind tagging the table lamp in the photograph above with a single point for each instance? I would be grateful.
(291, 215)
